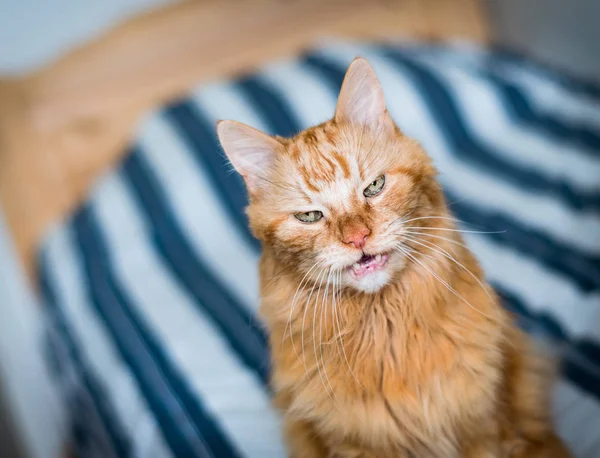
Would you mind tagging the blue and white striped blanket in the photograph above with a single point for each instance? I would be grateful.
(151, 285)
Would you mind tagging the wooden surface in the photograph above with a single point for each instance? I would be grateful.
(61, 127)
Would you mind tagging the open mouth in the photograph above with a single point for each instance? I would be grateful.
(368, 264)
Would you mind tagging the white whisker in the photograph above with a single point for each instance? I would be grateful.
(324, 311)
(289, 321)
(445, 253)
(303, 327)
(449, 218)
(316, 306)
(464, 231)
(427, 234)
(441, 280)
(341, 338)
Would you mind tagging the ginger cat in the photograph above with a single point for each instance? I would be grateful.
(386, 339)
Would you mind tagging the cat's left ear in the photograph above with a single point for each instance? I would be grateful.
(361, 101)
(250, 151)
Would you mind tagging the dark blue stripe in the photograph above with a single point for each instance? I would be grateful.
(259, 93)
(580, 376)
(538, 323)
(591, 350)
(200, 136)
(465, 144)
(518, 105)
(587, 369)
(236, 323)
(522, 110)
(84, 434)
(571, 82)
(165, 389)
(573, 365)
(581, 268)
(582, 354)
(102, 403)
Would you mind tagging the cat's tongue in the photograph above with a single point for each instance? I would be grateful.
(368, 264)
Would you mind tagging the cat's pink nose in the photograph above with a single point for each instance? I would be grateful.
(358, 237)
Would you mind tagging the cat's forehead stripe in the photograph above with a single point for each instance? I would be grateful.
(343, 163)
(318, 160)
(319, 173)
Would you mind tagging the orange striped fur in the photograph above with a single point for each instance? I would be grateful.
(415, 358)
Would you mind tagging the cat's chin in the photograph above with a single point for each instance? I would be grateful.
(370, 283)
(370, 273)
(373, 272)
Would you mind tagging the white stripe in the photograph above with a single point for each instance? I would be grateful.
(73, 389)
(314, 101)
(151, 443)
(37, 410)
(228, 389)
(483, 111)
(225, 101)
(544, 91)
(307, 92)
(542, 290)
(545, 95)
(463, 180)
(564, 399)
(97, 347)
(577, 424)
(198, 210)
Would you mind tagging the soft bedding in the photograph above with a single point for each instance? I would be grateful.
(151, 287)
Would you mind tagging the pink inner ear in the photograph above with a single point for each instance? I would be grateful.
(361, 100)
(250, 151)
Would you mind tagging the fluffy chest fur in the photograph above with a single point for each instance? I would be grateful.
(369, 369)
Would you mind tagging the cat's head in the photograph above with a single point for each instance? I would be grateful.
(334, 201)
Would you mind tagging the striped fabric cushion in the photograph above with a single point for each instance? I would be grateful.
(151, 285)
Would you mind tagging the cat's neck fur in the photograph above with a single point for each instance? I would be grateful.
(414, 326)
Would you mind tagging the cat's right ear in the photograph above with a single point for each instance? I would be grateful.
(361, 101)
(250, 151)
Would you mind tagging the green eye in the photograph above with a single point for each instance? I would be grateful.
(375, 187)
(309, 217)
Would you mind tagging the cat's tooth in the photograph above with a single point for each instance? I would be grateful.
(378, 258)
(356, 265)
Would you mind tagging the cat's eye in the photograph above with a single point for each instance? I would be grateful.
(309, 217)
(375, 187)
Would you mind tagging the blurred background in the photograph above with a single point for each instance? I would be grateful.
(76, 75)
